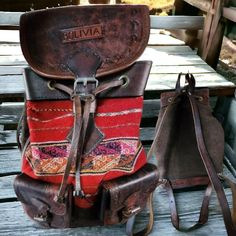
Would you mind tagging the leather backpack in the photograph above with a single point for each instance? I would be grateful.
(189, 148)
(82, 159)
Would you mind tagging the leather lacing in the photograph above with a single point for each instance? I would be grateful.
(81, 120)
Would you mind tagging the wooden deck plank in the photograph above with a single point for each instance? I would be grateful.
(15, 49)
(158, 58)
(7, 138)
(9, 36)
(10, 161)
(12, 60)
(174, 50)
(10, 18)
(11, 70)
(177, 22)
(162, 58)
(12, 86)
(168, 81)
(10, 49)
(163, 39)
(194, 69)
(15, 222)
(6, 185)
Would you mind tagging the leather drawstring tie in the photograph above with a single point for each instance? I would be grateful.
(82, 105)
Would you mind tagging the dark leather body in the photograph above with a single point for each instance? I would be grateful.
(178, 156)
(137, 75)
(125, 196)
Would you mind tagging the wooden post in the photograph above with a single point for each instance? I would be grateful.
(189, 36)
(213, 33)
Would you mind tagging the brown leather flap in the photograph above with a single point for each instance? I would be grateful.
(38, 194)
(133, 190)
(117, 34)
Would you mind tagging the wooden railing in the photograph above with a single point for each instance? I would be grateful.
(217, 12)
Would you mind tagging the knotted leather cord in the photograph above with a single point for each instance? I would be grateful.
(79, 132)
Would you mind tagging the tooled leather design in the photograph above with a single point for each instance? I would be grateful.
(137, 74)
(124, 31)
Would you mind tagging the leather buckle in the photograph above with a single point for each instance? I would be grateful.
(85, 93)
(85, 81)
(79, 193)
(131, 211)
(41, 217)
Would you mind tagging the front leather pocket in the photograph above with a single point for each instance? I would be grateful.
(38, 200)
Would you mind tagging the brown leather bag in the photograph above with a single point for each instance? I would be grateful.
(189, 147)
(77, 130)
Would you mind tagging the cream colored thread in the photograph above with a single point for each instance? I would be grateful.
(50, 110)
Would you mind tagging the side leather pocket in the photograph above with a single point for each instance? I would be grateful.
(37, 198)
(126, 196)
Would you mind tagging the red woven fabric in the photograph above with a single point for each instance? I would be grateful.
(120, 153)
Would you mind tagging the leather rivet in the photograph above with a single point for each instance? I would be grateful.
(200, 99)
(51, 84)
(125, 79)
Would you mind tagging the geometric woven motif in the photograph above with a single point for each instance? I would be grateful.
(119, 154)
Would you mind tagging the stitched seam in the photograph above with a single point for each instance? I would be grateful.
(49, 109)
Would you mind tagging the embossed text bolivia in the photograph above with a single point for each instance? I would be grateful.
(81, 33)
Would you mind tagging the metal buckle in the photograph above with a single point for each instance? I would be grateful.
(85, 81)
(79, 193)
(131, 211)
(41, 217)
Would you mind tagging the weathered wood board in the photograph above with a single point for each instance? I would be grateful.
(13, 219)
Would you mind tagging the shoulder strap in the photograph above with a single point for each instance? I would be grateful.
(209, 166)
(203, 216)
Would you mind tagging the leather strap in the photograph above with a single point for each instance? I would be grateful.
(148, 228)
(81, 120)
(80, 145)
(74, 146)
(232, 185)
(209, 166)
(22, 132)
(203, 217)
